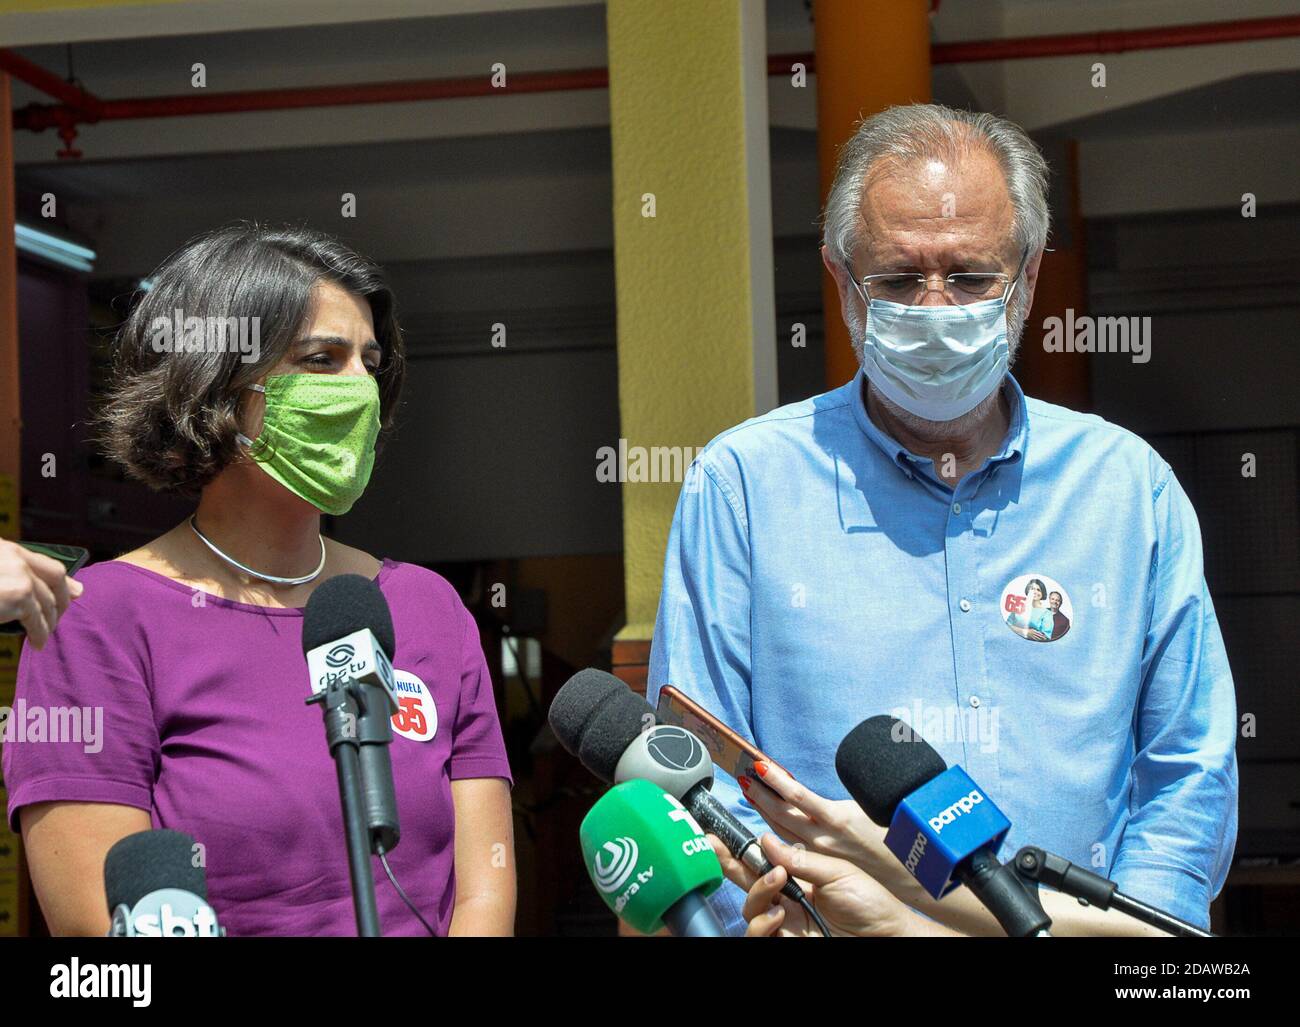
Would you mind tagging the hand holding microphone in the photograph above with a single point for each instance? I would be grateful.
(831, 827)
(614, 734)
(942, 827)
(850, 901)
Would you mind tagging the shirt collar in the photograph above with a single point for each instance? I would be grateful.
(1013, 445)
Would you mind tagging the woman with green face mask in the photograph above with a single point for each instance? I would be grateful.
(259, 375)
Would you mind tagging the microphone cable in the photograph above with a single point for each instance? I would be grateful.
(814, 916)
(383, 858)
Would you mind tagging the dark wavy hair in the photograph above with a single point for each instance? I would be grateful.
(171, 418)
(1041, 587)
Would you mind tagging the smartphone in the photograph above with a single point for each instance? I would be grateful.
(73, 559)
(729, 750)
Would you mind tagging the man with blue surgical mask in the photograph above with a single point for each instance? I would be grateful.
(872, 549)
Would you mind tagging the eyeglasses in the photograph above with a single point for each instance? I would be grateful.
(961, 287)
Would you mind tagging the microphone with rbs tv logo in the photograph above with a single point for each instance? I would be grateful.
(650, 861)
(942, 827)
(155, 890)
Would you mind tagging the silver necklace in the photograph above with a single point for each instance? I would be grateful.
(272, 578)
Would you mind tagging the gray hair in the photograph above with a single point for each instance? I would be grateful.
(922, 130)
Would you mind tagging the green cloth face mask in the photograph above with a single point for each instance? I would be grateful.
(318, 436)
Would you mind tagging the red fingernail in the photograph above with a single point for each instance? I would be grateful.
(744, 783)
(760, 768)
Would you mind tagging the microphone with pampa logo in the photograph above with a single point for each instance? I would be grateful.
(156, 889)
(650, 861)
(347, 636)
(942, 827)
(614, 734)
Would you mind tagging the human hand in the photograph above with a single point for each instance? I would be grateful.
(831, 827)
(851, 902)
(34, 590)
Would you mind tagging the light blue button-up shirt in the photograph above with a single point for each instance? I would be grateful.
(818, 573)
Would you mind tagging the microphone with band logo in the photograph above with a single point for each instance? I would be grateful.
(613, 733)
(942, 827)
(157, 888)
(650, 861)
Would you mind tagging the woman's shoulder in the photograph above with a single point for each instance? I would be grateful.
(109, 583)
(413, 583)
(117, 593)
(106, 625)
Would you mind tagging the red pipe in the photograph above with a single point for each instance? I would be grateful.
(82, 107)
(41, 116)
(1199, 34)
(371, 92)
(49, 83)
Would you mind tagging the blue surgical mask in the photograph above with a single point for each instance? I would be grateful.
(937, 362)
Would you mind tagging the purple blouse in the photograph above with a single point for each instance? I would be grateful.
(200, 703)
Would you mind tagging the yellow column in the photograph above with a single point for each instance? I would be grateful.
(692, 249)
(871, 54)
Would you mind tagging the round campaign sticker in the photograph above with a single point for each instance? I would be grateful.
(417, 717)
(1036, 607)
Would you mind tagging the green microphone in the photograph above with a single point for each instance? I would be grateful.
(650, 861)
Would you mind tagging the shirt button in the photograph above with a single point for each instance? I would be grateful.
(965, 606)
(956, 508)
(975, 701)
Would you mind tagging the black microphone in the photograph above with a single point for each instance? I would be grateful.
(347, 632)
(903, 784)
(156, 888)
(614, 734)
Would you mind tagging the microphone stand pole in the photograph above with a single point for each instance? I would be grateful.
(1034, 865)
(341, 709)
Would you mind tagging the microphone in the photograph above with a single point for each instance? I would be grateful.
(650, 861)
(347, 634)
(613, 732)
(942, 827)
(155, 890)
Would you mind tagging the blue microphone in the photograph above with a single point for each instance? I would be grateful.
(942, 826)
(942, 823)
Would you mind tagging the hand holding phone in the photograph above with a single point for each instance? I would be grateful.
(36, 586)
(729, 750)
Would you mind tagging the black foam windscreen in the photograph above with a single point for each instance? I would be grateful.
(149, 861)
(881, 762)
(345, 604)
(577, 702)
(596, 717)
(612, 730)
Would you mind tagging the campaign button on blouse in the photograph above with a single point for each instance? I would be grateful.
(417, 716)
